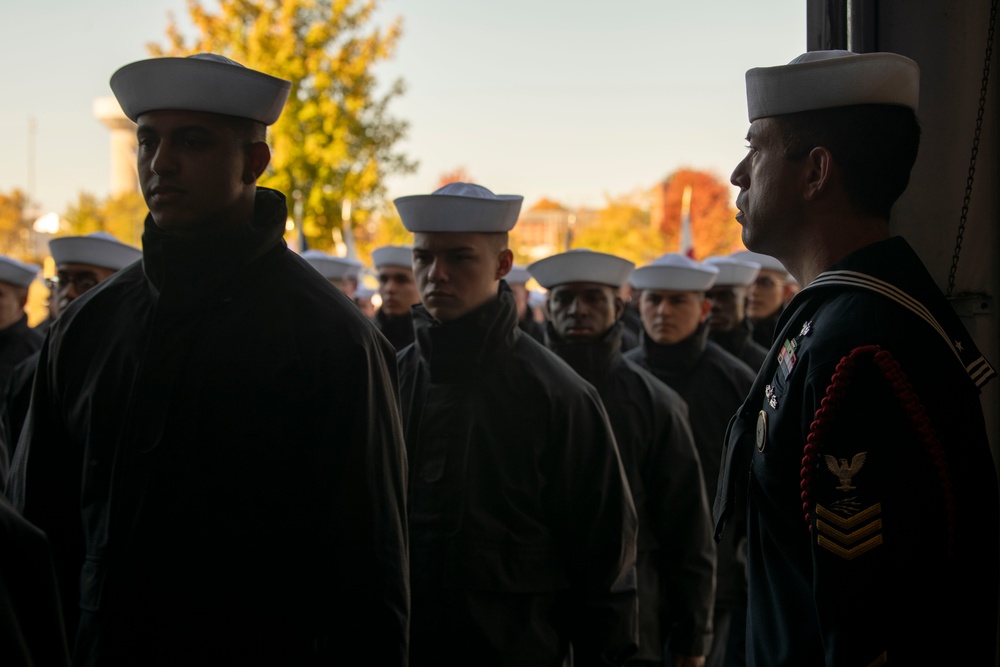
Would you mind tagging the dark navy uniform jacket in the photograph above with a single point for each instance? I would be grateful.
(713, 383)
(676, 560)
(740, 343)
(860, 466)
(522, 526)
(214, 449)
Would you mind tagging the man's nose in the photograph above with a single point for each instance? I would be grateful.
(163, 161)
(739, 175)
(437, 272)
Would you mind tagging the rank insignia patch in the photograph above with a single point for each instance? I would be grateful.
(849, 536)
(845, 471)
(771, 396)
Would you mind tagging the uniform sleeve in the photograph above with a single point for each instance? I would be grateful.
(45, 485)
(373, 574)
(682, 524)
(600, 538)
(885, 495)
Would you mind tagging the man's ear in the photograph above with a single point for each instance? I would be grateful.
(818, 172)
(706, 308)
(619, 307)
(258, 156)
(505, 263)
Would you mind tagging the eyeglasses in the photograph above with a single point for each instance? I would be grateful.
(61, 281)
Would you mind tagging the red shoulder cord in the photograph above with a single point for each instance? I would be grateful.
(830, 407)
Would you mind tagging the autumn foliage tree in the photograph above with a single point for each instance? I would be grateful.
(13, 221)
(335, 140)
(457, 175)
(714, 229)
(622, 228)
(384, 228)
(121, 216)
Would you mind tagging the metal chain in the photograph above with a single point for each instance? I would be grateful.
(975, 150)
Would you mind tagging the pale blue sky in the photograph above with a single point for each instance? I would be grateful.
(574, 101)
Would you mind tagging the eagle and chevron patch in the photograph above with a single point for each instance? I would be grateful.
(850, 536)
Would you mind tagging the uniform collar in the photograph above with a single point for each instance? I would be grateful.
(891, 268)
(16, 329)
(208, 264)
(464, 347)
(677, 359)
(593, 360)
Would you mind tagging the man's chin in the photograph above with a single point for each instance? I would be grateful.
(444, 313)
(173, 223)
(580, 336)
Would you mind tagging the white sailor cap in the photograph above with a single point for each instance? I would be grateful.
(393, 255)
(732, 271)
(675, 271)
(581, 266)
(518, 275)
(365, 292)
(332, 267)
(202, 82)
(765, 261)
(17, 273)
(828, 79)
(97, 249)
(459, 207)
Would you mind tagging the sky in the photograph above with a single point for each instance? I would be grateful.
(573, 101)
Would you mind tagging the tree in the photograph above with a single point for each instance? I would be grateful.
(621, 228)
(457, 175)
(713, 217)
(384, 228)
(13, 222)
(120, 216)
(335, 140)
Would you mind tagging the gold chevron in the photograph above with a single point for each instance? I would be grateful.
(853, 536)
(849, 522)
(849, 554)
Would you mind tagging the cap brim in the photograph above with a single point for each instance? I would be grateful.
(192, 84)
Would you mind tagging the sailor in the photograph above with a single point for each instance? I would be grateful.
(522, 526)
(676, 553)
(518, 279)
(343, 272)
(398, 289)
(767, 295)
(17, 339)
(213, 445)
(859, 465)
(674, 346)
(82, 262)
(728, 324)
